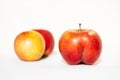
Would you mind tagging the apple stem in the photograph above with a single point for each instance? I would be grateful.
(79, 26)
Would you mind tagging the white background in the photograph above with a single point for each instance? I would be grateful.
(57, 16)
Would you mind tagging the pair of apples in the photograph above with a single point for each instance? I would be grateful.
(76, 45)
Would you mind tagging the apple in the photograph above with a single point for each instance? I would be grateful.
(80, 46)
(49, 41)
(29, 45)
(34, 44)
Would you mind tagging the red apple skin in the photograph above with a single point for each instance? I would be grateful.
(49, 41)
(78, 46)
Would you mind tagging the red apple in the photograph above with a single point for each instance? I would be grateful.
(80, 46)
(49, 40)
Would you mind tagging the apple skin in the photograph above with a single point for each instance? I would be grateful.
(80, 46)
(29, 46)
(49, 41)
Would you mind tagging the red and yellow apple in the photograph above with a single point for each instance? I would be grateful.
(29, 46)
(80, 46)
(33, 45)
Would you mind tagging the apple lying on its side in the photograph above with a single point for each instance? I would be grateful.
(29, 46)
(49, 40)
(80, 45)
(33, 45)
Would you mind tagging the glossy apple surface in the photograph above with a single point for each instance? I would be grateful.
(29, 46)
(80, 46)
(49, 40)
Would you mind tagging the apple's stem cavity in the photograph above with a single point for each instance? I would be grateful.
(79, 26)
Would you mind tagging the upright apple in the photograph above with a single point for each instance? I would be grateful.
(49, 41)
(29, 45)
(80, 45)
